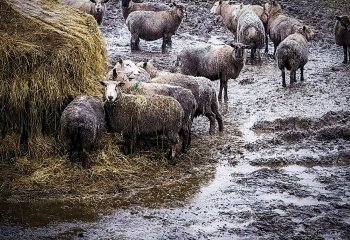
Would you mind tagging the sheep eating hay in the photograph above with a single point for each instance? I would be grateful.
(82, 123)
(134, 115)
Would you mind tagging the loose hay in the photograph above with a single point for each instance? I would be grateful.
(49, 53)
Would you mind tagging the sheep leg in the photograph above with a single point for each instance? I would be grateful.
(220, 90)
(292, 76)
(225, 89)
(345, 54)
(252, 55)
(302, 73)
(173, 141)
(85, 158)
(185, 136)
(266, 43)
(283, 77)
(135, 40)
(215, 110)
(274, 49)
(211, 117)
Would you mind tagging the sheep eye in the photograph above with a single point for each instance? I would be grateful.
(121, 84)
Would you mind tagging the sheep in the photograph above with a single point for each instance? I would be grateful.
(81, 125)
(130, 6)
(229, 12)
(201, 88)
(280, 26)
(342, 34)
(250, 31)
(292, 53)
(96, 8)
(182, 95)
(150, 26)
(214, 62)
(135, 115)
(129, 68)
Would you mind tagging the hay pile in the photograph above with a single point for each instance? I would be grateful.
(49, 54)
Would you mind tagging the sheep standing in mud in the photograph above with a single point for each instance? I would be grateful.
(280, 26)
(292, 53)
(130, 69)
(342, 35)
(201, 88)
(82, 123)
(182, 95)
(96, 8)
(229, 13)
(135, 115)
(128, 6)
(214, 62)
(150, 26)
(250, 31)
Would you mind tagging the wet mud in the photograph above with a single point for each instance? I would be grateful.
(283, 167)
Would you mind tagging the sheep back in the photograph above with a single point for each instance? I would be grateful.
(86, 6)
(83, 121)
(250, 29)
(147, 6)
(292, 52)
(140, 114)
(150, 26)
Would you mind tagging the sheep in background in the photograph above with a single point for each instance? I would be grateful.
(182, 95)
(250, 31)
(280, 26)
(229, 12)
(82, 123)
(135, 115)
(129, 6)
(342, 34)
(201, 88)
(292, 53)
(214, 62)
(96, 8)
(150, 26)
(132, 71)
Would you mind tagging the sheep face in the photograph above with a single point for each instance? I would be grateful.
(216, 9)
(307, 32)
(239, 51)
(113, 88)
(99, 5)
(179, 10)
(344, 21)
(129, 68)
(125, 3)
(272, 8)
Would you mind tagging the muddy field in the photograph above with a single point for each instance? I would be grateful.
(283, 168)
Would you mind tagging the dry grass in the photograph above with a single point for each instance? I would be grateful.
(49, 54)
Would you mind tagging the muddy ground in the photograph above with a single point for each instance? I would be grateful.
(283, 167)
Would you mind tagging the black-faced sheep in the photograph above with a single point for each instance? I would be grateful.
(82, 123)
(214, 62)
(150, 26)
(132, 71)
(96, 8)
(201, 88)
(129, 6)
(250, 31)
(182, 95)
(292, 53)
(342, 34)
(280, 26)
(135, 115)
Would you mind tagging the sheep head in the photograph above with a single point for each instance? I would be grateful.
(99, 5)
(344, 21)
(114, 87)
(307, 32)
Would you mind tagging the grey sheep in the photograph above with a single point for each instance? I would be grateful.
(214, 62)
(342, 34)
(96, 8)
(280, 26)
(229, 12)
(150, 26)
(136, 115)
(133, 72)
(201, 88)
(128, 6)
(250, 31)
(82, 124)
(292, 53)
(182, 95)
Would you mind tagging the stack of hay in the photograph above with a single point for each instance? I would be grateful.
(49, 54)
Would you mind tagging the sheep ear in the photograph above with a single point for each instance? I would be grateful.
(173, 4)
(338, 18)
(93, 1)
(103, 83)
(120, 61)
(115, 74)
(105, 1)
(304, 28)
(220, 2)
(145, 64)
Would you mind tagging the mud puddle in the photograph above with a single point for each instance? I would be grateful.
(283, 169)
